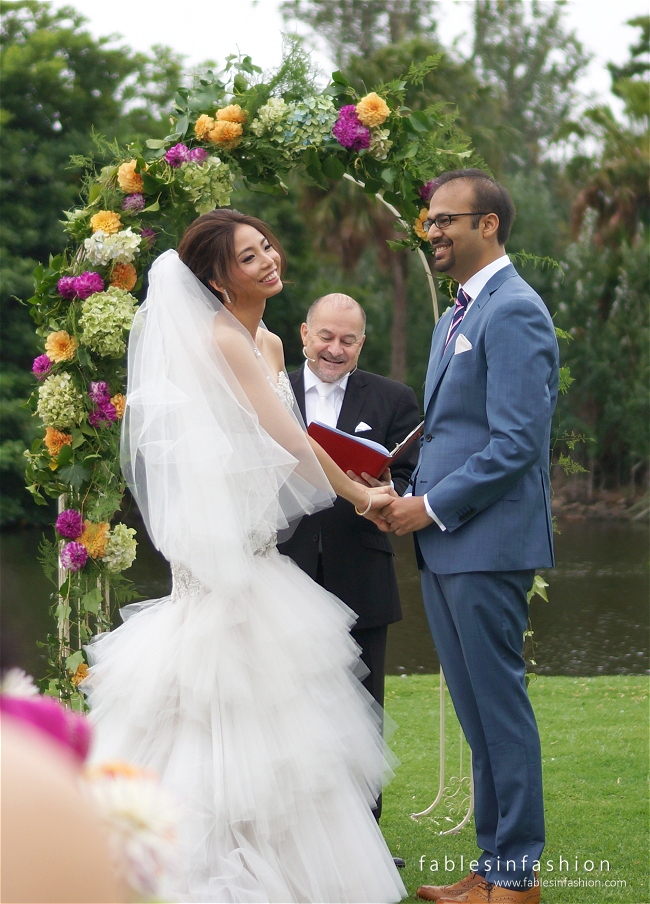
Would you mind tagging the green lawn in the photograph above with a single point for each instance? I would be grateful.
(595, 754)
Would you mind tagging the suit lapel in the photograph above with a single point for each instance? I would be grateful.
(298, 383)
(355, 394)
(494, 283)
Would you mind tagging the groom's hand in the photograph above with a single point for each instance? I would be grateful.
(403, 515)
(367, 480)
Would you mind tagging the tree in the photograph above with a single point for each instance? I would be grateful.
(59, 84)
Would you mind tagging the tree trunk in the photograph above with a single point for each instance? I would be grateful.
(399, 273)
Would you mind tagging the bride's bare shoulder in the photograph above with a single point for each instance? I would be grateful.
(271, 347)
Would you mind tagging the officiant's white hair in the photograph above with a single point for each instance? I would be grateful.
(337, 299)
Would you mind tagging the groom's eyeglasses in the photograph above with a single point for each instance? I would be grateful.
(445, 219)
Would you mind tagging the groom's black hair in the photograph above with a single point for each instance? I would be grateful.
(489, 195)
(208, 246)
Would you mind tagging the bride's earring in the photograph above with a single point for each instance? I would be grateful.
(228, 298)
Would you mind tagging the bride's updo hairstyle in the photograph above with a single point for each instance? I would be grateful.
(208, 246)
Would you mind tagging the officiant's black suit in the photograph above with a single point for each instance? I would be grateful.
(347, 554)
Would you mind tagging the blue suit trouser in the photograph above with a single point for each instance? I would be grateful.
(477, 621)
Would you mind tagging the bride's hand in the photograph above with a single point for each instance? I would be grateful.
(374, 500)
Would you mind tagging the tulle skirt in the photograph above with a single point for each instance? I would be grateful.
(249, 710)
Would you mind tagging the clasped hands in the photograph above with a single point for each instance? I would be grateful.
(389, 511)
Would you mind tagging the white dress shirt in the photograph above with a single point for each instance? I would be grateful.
(472, 288)
(311, 394)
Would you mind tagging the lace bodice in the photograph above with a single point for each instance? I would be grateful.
(284, 391)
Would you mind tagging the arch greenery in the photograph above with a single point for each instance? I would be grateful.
(233, 128)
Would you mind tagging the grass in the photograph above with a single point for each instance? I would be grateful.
(595, 754)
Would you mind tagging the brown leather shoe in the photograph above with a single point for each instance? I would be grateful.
(435, 892)
(487, 893)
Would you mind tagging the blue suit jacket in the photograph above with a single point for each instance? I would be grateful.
(484, 459)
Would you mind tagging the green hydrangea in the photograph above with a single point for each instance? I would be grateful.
(380, 144)
(309, 122)
(60, 404)
(106, 318)
(209, 185)
(270, 118)
(120, 548)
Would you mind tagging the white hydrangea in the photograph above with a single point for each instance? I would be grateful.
(121, 247)
(270, 116)
(209, 185)
(380, 144)
(60, 403)
(17, 683)
(120, 548)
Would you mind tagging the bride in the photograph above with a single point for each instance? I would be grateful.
(238, 689)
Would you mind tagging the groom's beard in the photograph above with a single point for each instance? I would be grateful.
(447, 261)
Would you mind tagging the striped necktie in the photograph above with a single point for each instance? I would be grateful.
(462, 300)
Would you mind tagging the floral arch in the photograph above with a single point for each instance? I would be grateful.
(230, 128)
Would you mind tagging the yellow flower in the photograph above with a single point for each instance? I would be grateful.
(372, 110)
(94, 538)
(232, 113)
(60, 346)
(127, 178)
(124, 276)
(80, 674)
(115, 769)
(418, 224)
(55, 440)
(106, 220)
(203, 125)
(118, 401)
(225, 133)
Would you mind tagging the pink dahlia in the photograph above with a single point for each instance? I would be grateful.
(349, 131)
(88, 283)
(70, 524)
(134, 202)
(427, 190)
(74, 556)
(66, 287)
(98, 392)
(41, 366)
(198, 155)
(177, 155)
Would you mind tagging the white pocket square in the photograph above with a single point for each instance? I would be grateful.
(462, 344)
(361, 426)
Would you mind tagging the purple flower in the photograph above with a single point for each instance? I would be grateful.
(66, 287)
(70, 524)
(88, 283)
(98, 392)
(148, 238)
(74, 556)
(41, 366)
(427, 190)
(133, 202)
(105, 413)
(180, 153)
(198, 155)
(349, 132)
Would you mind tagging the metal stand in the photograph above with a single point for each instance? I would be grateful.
(453, 794)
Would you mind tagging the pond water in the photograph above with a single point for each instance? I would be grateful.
(595, 623)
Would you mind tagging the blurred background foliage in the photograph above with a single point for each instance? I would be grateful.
(515, 98)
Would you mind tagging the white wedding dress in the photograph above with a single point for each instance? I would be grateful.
(238, 689)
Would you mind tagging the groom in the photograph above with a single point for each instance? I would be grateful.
(481, 516)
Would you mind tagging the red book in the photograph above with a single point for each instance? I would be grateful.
(353, 453)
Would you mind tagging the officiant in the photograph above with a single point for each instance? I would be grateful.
(347, 554)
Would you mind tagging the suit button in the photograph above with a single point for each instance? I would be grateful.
(315, 538)
(428, 438)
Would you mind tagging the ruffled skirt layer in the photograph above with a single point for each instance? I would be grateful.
(249, 710)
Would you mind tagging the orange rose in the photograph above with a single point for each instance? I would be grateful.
(124, 276)
(127, 178)
(60, 346)
(80, 674)
(418, 224)
(107, 221)
(225, 133)
(118, 401)
(232, 113)
(203, 125)
(94, 538)
(372, 110)
(55, 440)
